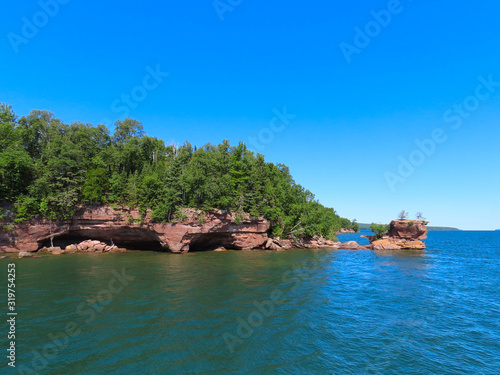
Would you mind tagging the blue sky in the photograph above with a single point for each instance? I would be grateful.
(420, 69)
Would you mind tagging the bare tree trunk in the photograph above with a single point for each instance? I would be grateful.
(51, 234)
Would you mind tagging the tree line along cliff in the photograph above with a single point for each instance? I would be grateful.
(48, 168)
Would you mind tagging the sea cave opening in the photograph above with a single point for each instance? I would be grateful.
(209, 242)
(129, 241)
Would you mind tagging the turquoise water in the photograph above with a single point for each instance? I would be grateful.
(321, 312)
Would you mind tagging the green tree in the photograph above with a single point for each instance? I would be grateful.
(420, 216)
(96, 185)
(127, 129)
(16, 173)
(403, 215)
(8, 136)
(379, 229)
(355, 225)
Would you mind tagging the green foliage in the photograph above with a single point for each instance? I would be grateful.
(379, 229)
(16, 172)
(27, 208)
(355, 225)
(179, 215)
(201, 218)
(239, 217)
(8, 227)
(96, 185)
(48, 168)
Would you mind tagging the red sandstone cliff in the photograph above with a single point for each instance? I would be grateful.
(197, 231)
(95, 228)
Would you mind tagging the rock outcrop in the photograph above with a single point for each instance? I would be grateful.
(100, 229)
(312, 243)
(402, 234)
(106, 226)
(344, 231)
(413, 230)
(353, 245)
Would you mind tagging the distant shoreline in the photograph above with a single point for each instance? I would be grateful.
(363, 226)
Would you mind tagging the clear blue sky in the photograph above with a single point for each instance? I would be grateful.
(354, 120)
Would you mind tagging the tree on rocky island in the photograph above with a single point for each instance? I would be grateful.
(379, 230)
(420, 216)
(403, 215)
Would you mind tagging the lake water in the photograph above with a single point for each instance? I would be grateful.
(298, 312)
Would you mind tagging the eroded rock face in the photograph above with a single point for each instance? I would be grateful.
(408, 229)
(124, 227)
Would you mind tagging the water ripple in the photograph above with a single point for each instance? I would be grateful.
(338, 312)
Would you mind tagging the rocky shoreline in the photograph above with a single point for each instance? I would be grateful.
(102, 229)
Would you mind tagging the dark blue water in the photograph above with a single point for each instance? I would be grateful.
(298, 312)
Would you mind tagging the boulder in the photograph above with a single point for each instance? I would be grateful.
(269, 243)
(117, 250)
(315, 243)
(344, 230)
(278, 244)
(83, 246)
(43, 250)
(71, 249)
(88, 246)
(100, 247)
(274, 246)
(351, 245)
(385, 244)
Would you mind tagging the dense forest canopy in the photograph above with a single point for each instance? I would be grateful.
(48, 168)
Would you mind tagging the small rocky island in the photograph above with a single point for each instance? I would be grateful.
(107, 229)
(402, 234)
